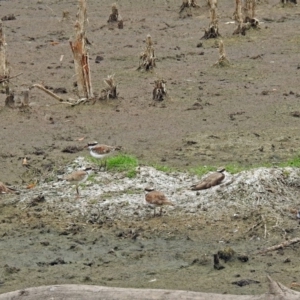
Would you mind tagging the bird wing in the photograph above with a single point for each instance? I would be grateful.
(75, 175)
(102, 149)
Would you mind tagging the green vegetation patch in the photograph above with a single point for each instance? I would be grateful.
(123, 163)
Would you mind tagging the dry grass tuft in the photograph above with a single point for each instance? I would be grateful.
(248, 20)
(147, 58)
(159, 91)
(213, 29)
(115, 17)
(222, 61)
(110, 91)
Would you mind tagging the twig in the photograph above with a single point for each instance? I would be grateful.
(47, 91)
(280, 246)
(7, 78)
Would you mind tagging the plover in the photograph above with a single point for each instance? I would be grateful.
(4, 189)
(77, 177)
(100, 150)
(156, 199)
(211, 180)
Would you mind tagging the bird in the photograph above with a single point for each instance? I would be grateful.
(100, 150)
(77, 177)
(211, 180)
(5, 190)
(298, 214)
(156, 199)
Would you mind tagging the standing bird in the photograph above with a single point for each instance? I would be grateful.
(99, 151)
(156, 199)
(77, 177)
(211, 180)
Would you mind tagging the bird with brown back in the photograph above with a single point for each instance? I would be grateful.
(156, 199)
(77, 177)
(211, 180)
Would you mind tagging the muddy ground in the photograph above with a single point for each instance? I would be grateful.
(247, 113)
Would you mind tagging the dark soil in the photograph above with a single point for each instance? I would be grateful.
(247, 113)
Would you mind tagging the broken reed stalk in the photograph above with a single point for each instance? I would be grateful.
(280, 246)
(80, 54)
(147, 58)
(241, 29)
(213, 29)
(110, 91)
(115, 17)
(159, 91)
(4, 70)
(249, 21)
(249, 10)
(188, 4)
(223, 61)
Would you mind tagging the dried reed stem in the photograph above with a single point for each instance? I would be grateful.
(80, 54)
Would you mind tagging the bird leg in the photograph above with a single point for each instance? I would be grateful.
(77, 190)
(160, 212)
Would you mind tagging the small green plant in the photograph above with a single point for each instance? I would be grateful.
(165, 169)
(121, 162)
(131, 173)
(294, 162)
(233, 169)
(201, 170)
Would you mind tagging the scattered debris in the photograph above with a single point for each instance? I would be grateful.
(98, 59)
(226, 254)
(9, 17)
(37, 200)
(72, 149)
(217, 264)
(295, 114)
(65, 16)
(244, 282)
